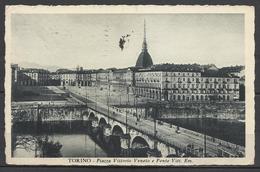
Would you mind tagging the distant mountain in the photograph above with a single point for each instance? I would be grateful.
(51, 68)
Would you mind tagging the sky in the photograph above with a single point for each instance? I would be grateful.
(92, 40)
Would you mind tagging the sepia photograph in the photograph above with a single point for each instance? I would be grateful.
(129, 85)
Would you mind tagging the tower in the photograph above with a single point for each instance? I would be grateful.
(144, 59)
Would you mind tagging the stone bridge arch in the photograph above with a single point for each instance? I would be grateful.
(140, 146)
(114, 123)
(115, 143)
(117, 131)
(91, 116)
(104, 128)
(139, 142)
(134, 133)
(102, 122)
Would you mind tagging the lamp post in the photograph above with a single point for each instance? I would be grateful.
(127, 91)
(108, 96)
(154, 152)
(205, 136)
(203, 115)
(155, 127)
(96, 96)
(86, 95)
(120, 97)
(136, 104)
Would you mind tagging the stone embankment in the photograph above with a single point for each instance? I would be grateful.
(39, 113)
(222, 110)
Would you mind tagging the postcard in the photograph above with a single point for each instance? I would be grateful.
(99, 85)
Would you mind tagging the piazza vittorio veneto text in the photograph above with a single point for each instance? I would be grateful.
(150, 113)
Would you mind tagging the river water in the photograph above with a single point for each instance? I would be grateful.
(54, 139)
(67, 139)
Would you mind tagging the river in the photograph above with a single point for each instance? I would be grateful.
(54, 139)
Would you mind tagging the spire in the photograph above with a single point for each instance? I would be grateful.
(144, 31)
(144, 59)
(144, 41)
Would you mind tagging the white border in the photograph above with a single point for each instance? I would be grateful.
(248, 12)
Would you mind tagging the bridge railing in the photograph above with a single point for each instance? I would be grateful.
(208, 138)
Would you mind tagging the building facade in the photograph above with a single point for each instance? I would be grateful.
(15, 69)
(54, 79)
(122, 78)
(186, 86)
(33, 77)
(68, 78)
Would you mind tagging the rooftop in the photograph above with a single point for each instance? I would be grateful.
(34, 70)
(220, 74)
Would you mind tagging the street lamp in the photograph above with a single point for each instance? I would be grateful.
(96, 96)
(203, 115)
(155, 126)
(86, 96)
(205, 136)
(120, 97)
(155, 152)
(136, 104)
(127, 109)
(108, 96)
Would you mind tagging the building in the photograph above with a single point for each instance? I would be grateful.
(15, 69)
(103, 77)
(54, 79)
(93, 78)
(33, 77)
(186, 85)
(68, 78)
(234, 70)
(83, 77)
(122, 78)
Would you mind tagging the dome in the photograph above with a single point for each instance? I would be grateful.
(144, 60)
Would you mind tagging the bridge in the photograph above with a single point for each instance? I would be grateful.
(115, 126)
